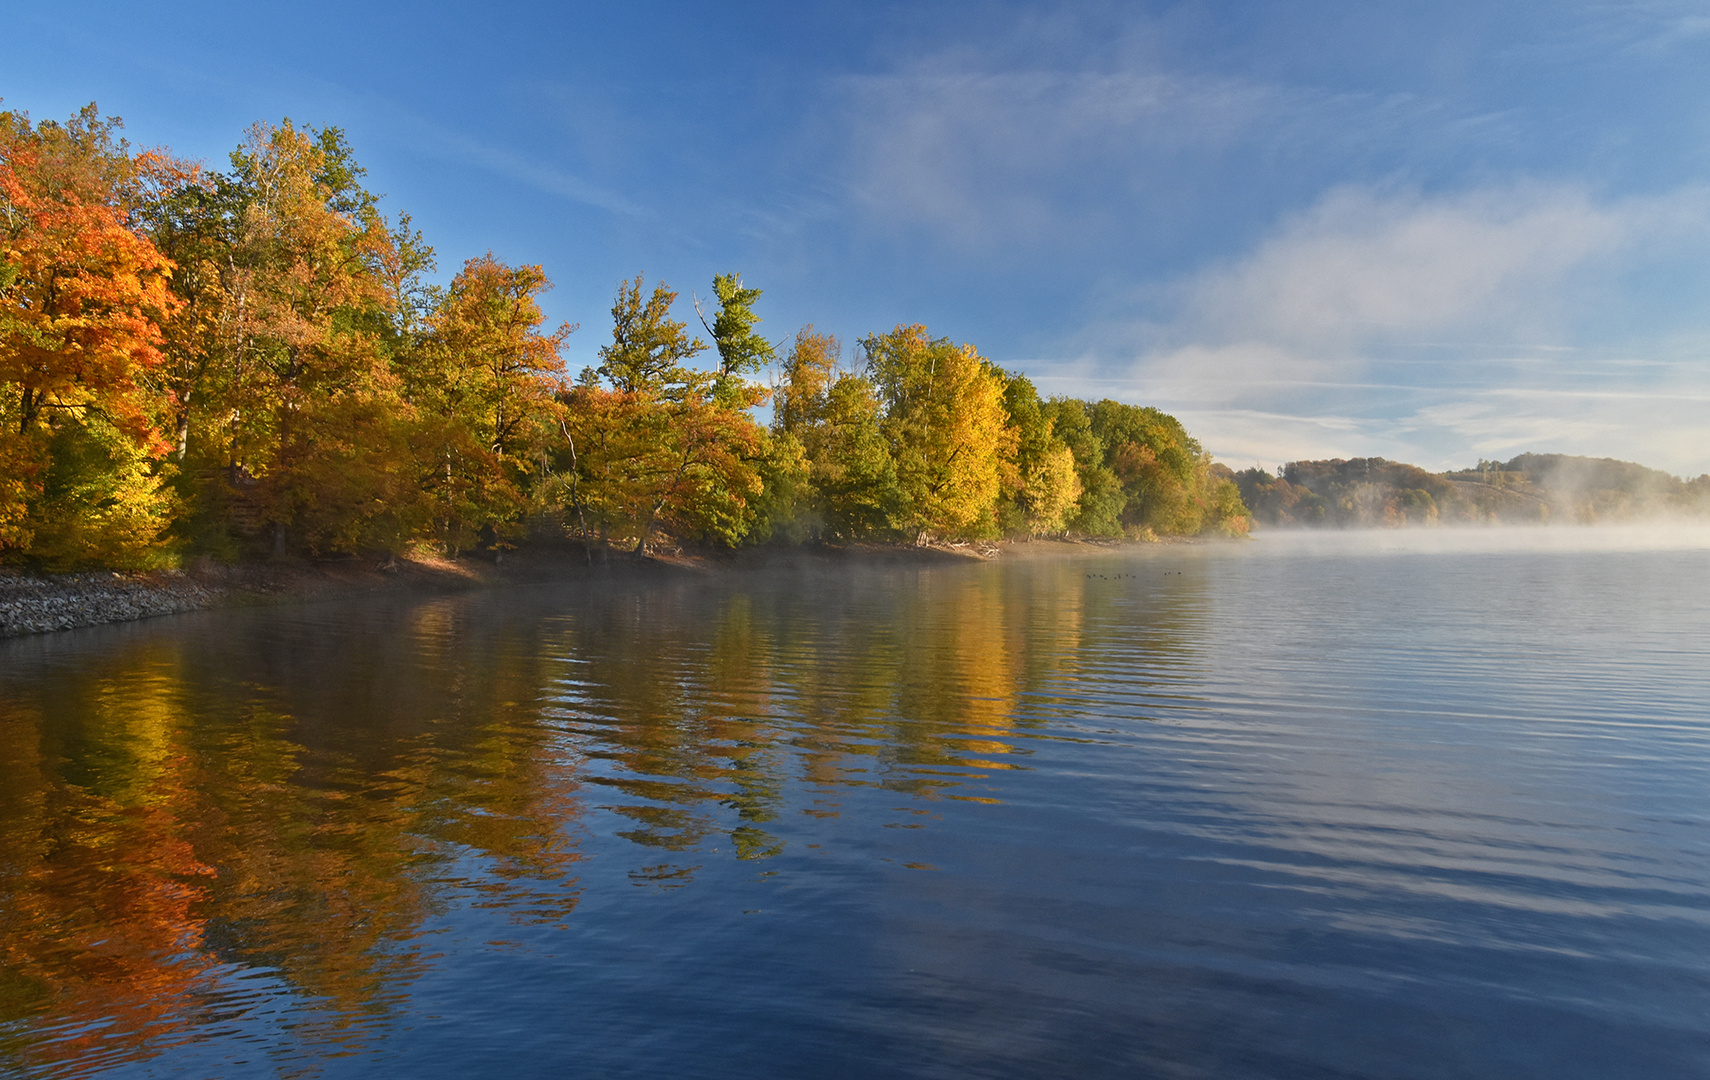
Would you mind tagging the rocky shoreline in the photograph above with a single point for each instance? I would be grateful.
(33, 603)
(37, 604)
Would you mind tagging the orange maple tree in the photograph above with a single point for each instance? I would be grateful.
(82, 298)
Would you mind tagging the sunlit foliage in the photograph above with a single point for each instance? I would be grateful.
(648, 347)
(741, 350)
(848, 489)
(258, 362)
(665, 446)
(82, 300)
(482, 379)
(945, 421)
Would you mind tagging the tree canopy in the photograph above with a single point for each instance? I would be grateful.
(259, 361)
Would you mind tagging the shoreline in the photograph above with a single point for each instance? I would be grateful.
(42, 603)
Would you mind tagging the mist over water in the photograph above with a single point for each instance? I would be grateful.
(1654, 534)
(1409, 804)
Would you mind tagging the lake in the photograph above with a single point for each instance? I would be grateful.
(1409, 805)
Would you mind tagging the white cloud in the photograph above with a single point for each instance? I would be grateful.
(1437, 330)
(1243, 437)
(1663, 429)
(1364, 268)
(1379, 319)
(1361, 266)
(1455, 427)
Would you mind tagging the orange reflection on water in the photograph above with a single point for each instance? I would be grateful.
(296, 797)
(160, 824)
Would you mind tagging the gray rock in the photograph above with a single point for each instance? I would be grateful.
(38, 603)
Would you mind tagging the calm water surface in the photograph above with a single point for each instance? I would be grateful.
(1335, 808)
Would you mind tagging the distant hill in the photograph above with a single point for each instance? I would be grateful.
(1530, 489)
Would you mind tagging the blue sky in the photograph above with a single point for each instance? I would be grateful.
(1433, 232)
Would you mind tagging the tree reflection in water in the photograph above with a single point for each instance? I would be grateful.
(291, 796)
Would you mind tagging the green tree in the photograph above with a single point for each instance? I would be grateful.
(836, 418)
(1041, 485)
(661, 450)
(648, 347)
(1156, 461)
(741, 351)
(1098, 511)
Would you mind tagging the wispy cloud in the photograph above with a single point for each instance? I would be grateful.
(984, 159)
(448, 144)
(1646, 28)
(543, 177)
(1454, 426)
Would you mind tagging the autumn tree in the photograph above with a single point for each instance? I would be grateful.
(188, 220)
(260, 356)
(631, 465)
(1167, 481)
(850, 485)
(82, 299)
(661, 449)
(855, 472)
(482, 382)
(945, 421)
(706, 481)
(1098, 511)
(1155, 459)
(290, 422)
(807, 372)
(600, 467)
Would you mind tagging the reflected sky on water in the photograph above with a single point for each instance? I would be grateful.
(1249, 810)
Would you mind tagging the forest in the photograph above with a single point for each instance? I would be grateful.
(259, 363)
(1530, 489)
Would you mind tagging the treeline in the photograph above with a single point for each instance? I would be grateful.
(1529, 489)
(255, 361)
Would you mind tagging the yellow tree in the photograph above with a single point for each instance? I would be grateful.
(633, 464)
(490, 361)
(706, 482)
(1053, 490)
(602, 469)
(304, 414)
(945, 420)
(483, 380)
(648, 347)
